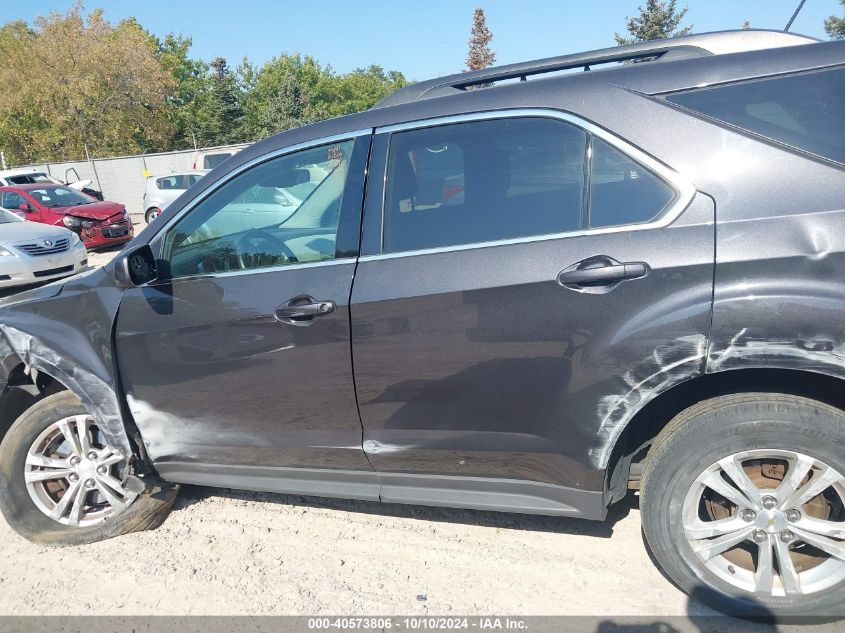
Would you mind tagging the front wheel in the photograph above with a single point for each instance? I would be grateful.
(743, 502)
(62, 483)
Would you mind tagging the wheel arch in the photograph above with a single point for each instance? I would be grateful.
(22, 390)
(630, 450)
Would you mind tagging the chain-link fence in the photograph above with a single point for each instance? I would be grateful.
(122, 179)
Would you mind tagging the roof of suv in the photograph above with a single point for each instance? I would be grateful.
(689, 46)
(752, 54)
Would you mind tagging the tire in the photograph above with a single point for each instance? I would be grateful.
(151, 214)
(142, 512)
(757, 431)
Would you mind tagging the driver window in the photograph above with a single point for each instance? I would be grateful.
(283, 211)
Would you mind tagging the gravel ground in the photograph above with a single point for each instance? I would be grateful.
(228, 552)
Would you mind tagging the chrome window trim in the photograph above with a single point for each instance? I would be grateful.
(349, 261)
(684, 189)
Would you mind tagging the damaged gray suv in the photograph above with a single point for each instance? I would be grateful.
(519, 289)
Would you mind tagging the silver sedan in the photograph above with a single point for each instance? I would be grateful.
(31, 252)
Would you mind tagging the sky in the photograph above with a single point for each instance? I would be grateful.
(423, 39)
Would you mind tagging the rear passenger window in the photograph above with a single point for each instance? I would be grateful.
(622, 191)
(483, 181)
(805, 111)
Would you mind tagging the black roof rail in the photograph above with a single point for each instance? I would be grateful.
(704, 44)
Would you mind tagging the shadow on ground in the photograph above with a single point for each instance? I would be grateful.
(528, 522)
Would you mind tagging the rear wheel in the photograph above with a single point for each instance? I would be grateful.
(62, 483)
(743, 504)
(152, 214)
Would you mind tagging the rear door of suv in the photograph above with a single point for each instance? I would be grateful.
(526, 280)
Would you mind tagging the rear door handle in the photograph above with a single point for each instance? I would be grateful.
(603, 275)
(303, 309)
(600, 274)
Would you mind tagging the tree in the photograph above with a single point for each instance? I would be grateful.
(71, 81)
(292, 90)
(218, 108)
(359, 90)
(278, 94)
(191, 79)
(746, 25)
(658, 19)
(480, 54)
(834, 26)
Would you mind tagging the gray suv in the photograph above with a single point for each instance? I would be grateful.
(520, 289)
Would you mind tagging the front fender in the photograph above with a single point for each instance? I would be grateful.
(67, 333)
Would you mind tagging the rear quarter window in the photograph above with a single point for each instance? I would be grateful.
(805, 111)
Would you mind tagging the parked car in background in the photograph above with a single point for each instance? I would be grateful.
(210, 158)
(98, 223)
(160, 191)
(32, 253)
(27, 176)
(555, 292)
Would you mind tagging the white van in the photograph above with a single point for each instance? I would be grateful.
(210, 158)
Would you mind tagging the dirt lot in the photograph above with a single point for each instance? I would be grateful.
(224, 552)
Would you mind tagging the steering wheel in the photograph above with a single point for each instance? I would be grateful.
(250, 243)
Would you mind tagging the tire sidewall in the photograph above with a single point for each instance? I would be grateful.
(704, 445)
(20, 511)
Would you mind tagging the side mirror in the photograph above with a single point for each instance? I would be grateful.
(24, 206)
(135, 267)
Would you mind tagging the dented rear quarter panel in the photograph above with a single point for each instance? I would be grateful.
(780, 294)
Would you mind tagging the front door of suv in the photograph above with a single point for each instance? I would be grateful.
(527, 281)
(239, 356)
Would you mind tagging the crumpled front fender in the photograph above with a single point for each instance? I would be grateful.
(65, 331)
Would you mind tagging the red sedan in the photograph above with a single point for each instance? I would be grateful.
(98, 223)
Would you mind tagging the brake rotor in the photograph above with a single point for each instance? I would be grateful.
(767, 474)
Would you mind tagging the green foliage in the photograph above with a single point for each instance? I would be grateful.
(121, 90)
(217, 108)
(356, 91)
(834, 26)
(293, 90)
(191, 77)
(658, 19)
(71, 81)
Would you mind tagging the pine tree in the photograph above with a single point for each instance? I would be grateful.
(480, 54)
(220, 107)
(658, 19)
(835, 26)
(746, 25)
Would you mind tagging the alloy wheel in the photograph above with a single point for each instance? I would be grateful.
(74, 476)
(770, 522)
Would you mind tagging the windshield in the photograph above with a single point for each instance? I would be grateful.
(7, 217)
(51, 197)
(29, 179)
